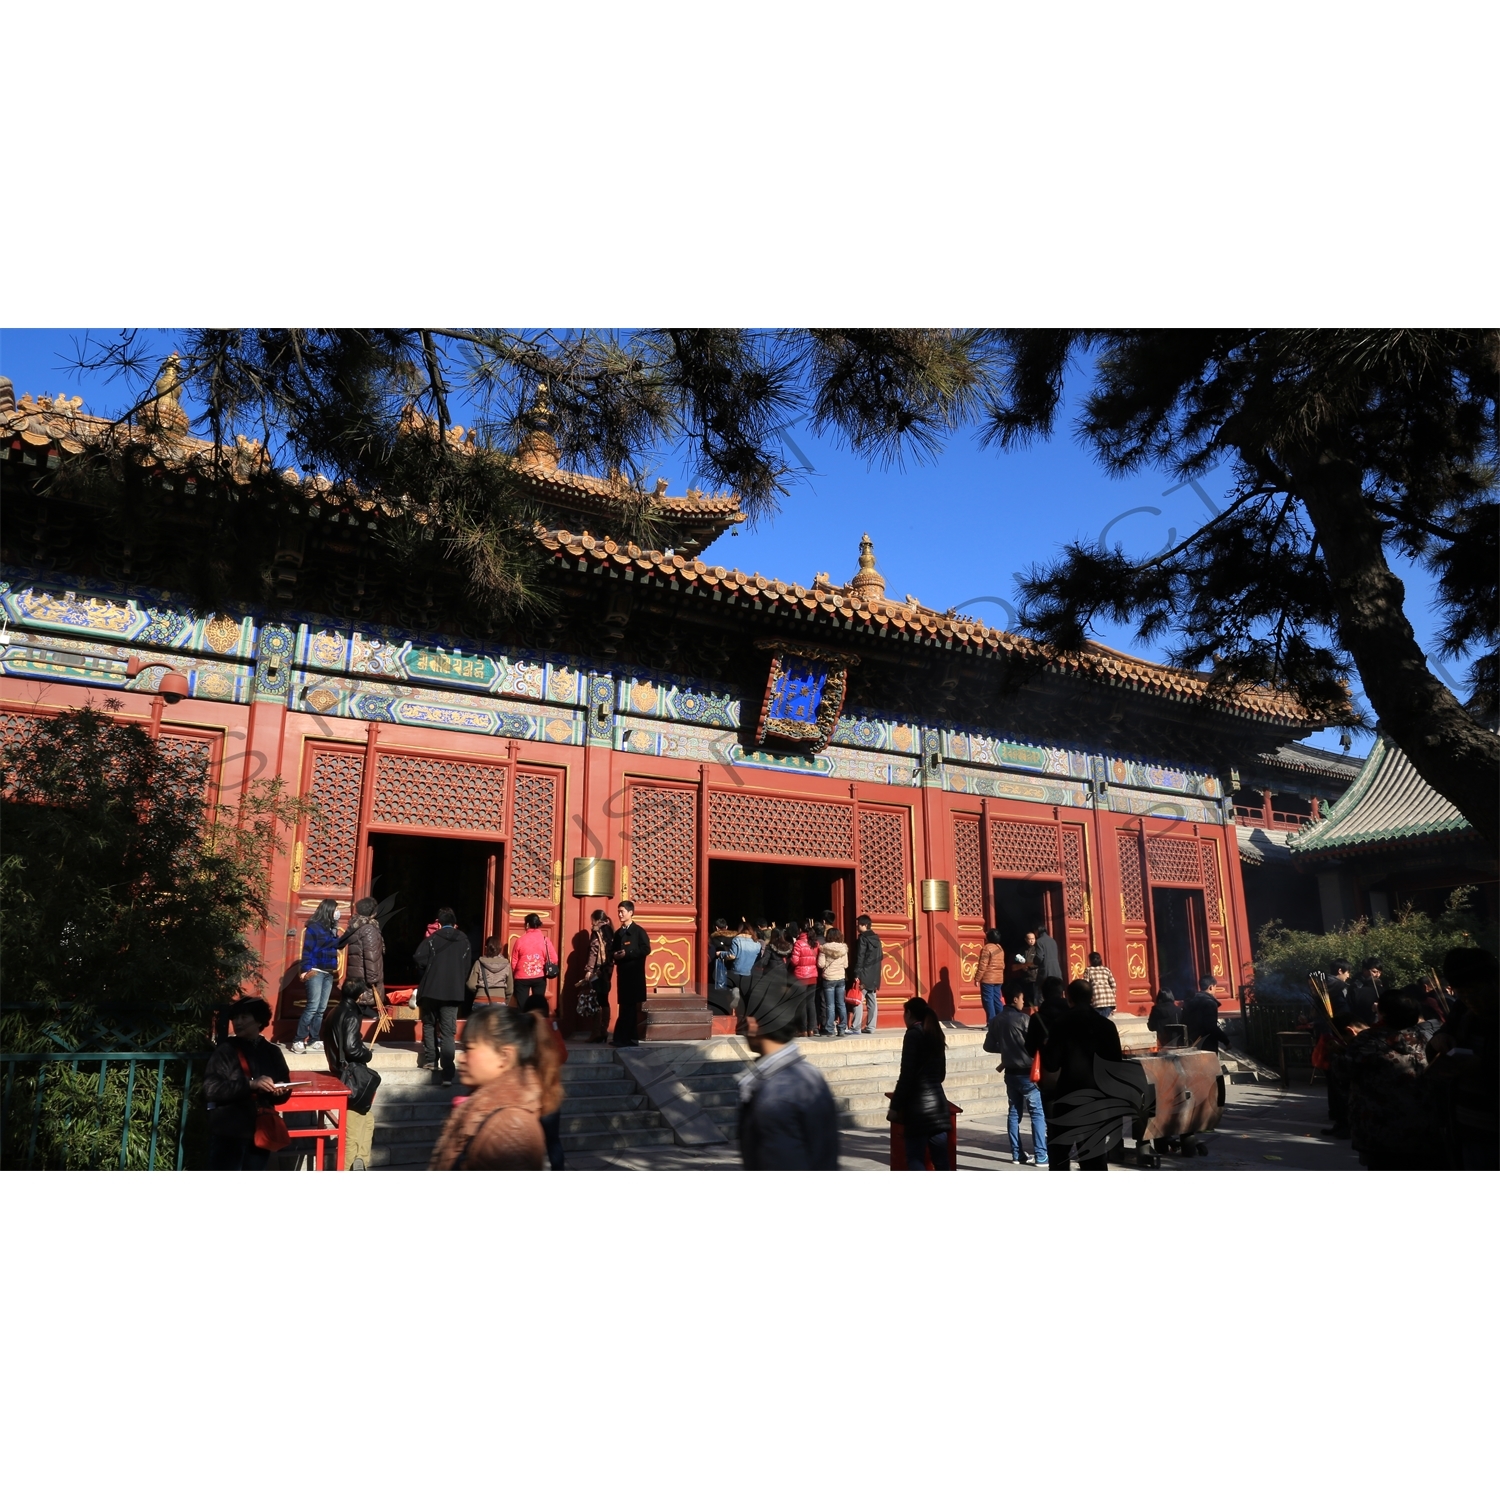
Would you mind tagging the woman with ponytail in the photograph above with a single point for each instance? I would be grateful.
(496, 1128)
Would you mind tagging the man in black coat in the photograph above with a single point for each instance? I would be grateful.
(1200, 1015)
(1074, 1039)
(1051, 1015)
(788, 1120)
(630, 948)
(869, 954)
(1365, 992)
(1338, 989)
(349, 1055)
(1048, 962)
(245, 1074)
(445, 960)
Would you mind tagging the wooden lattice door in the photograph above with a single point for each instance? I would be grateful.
(968, 900)
(884, 893)
(661, 876)
(1057, 854)
(1136, 984)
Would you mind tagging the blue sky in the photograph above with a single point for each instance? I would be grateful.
(950, 531)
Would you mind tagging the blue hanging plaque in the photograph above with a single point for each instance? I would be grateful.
(804, 695)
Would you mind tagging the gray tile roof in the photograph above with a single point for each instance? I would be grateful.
(1259, 846)
(1388, 802)
(1314, 758)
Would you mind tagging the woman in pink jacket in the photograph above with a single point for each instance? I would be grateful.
(803, 963)
(531, 955)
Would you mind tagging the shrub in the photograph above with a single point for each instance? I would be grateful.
(1408, 945)
(124, 908)
(124, 914)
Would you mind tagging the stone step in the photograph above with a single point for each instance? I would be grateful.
(590, 1072)
(409, 1156)
(408, 1114)
(588, 1052)
(413, 1133)
(598, 1121)
(711, 1099)
(597, 1088)
(619, 1140)
(573, 1104)
(714, 1067)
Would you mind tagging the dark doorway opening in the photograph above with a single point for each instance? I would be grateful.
(1181, 939)
(426, 873)
(1023, 906)
(742, 888)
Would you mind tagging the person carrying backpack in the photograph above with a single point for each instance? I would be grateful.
(491, 979)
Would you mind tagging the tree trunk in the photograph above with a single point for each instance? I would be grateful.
(1455, 754)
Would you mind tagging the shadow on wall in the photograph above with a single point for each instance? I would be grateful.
(941, 998)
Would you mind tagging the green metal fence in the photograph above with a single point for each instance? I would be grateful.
(99, 1111)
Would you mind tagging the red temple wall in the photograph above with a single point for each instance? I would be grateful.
(661, 820)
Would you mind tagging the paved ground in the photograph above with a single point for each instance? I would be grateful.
(1264, 1129)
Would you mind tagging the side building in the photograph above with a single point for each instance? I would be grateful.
(703, 741)
(1275, 798)
(1390, 842)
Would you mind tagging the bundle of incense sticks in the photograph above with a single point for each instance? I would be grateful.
(1321, 991)
(1336, 1037)
(1439, 998)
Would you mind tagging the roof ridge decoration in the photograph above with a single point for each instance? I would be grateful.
(538, 447)
(829, 606)
(1389, 802)
(160, 434)
(867, 585)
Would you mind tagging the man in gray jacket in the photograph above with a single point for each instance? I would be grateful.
(1018, 1037)
(788, 1120)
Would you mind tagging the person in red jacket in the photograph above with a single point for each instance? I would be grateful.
(804, 966)
(531, 954)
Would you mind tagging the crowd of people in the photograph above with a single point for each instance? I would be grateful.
(1411, 1071)
(836, 980)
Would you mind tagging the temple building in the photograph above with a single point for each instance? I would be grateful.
(701, 740)
(1275, 797)
(1390, 842)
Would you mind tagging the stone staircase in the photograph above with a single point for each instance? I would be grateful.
(602, 1108)
(605, 1110)
(860, 1071)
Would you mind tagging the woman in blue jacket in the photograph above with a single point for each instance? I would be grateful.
(320, 967)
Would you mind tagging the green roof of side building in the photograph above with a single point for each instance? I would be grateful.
(1388, 803)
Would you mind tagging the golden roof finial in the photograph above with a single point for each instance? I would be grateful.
(166, 410)
(867, 583)
(539, 417)
(538, 446)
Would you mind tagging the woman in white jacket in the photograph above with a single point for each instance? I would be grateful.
(833, 964)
